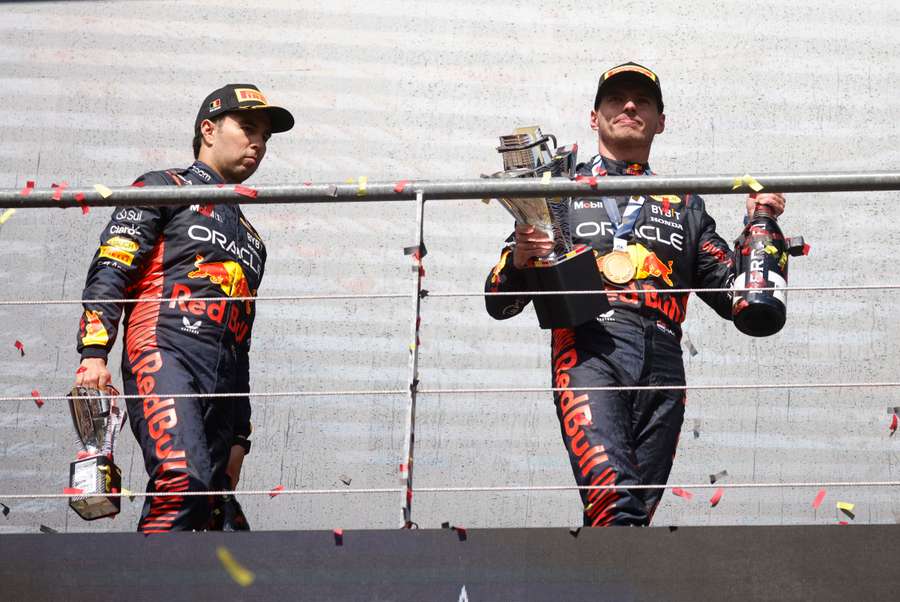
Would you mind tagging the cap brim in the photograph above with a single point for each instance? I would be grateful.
(632, 75)
(281, 119)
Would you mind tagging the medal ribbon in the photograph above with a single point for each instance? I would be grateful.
(624, 224)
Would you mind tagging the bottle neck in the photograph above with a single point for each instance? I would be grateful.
(763, 211)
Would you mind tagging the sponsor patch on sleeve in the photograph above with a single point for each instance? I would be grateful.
(116, 254)
(122, 243)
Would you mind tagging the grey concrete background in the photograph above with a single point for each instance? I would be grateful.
(103, 91)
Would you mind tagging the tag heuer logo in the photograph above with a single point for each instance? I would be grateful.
(191, 328)
(215, 105)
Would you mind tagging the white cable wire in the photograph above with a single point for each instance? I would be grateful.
(473, 489)
(839, 385)
(338, 296)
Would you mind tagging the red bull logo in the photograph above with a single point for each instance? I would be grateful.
(649, 265)
(229, 275)
(92, 330)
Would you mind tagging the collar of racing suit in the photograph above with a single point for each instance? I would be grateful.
(602, 166)
(206, 173)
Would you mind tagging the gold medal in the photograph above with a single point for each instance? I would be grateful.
(618, 267)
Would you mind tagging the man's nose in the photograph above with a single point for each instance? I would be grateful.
(630, 105)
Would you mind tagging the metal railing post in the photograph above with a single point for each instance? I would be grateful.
(406, 465)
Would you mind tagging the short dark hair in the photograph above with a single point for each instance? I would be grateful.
(198, 137)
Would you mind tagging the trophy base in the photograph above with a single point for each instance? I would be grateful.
(97, 477)
(575, 272)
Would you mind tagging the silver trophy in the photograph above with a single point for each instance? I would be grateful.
(97, 417)
(527, 154)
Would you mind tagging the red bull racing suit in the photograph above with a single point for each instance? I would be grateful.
(181, 345)
(627, 437)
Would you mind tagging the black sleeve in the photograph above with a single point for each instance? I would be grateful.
(504, 277)
(126, 243)
(242, 426)
(715, 263)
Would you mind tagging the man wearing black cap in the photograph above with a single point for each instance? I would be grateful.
(661, 242)
(186, 346)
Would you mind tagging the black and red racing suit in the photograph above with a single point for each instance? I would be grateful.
(628, 437)
(180, 346)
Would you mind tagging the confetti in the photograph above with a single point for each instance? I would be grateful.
(846, 506)
(716, 497)
(307, 183)
(402, 468)
(6, 215)
(461, 533)
(717, 477)
(345, 479)
(73, 491)
(5, 509)
(400, 185)
(37, 398)
(28, 188)
(241, 575)
(139, 184)
(338, 537)
(683, 493)
(575, 531)
(129, 493)
(81, 370)
(58, 190)
(819, 498)
(79, 198)
(361, 186)
(103, 191)
(245, 191)
(48, 530)
(545, 178)
(689, 345)
(894, 422)
(20, 347)
(275, 491)
(843, 522)
(748, 180)
(589, 180)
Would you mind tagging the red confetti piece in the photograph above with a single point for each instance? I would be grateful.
(26, 190)
(37, 398)
(73, 491)
(58, 190)
(338, 537)
(245, 191)
(590, 180)
(21, 349)
(843, 522)
(276, 490)
(894, 420)
(819, 497)
(139, 184)
(716, 497)
(403, 468)
(220, 185)
(79, 198)
(80, 370)
(684, 493)
(400, 185)
(806, 249)
(461, 533)
(307, 183)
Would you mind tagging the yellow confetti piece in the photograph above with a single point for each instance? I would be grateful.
(241, 575)
(103, 191)
(747, 180)
(6, 215)
(361, 190)
(545, 179)
(846, 506)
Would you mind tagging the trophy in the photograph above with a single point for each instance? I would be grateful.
(97, 418)
(526, 153)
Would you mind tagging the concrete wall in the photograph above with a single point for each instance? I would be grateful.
(103, 91)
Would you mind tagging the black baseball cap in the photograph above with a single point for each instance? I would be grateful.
(634, 71)
(242, 97)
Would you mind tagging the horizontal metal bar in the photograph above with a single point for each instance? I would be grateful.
(451, 189)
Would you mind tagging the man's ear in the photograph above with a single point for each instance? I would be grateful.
(594, 118)
(661, 125)
(207, 130)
